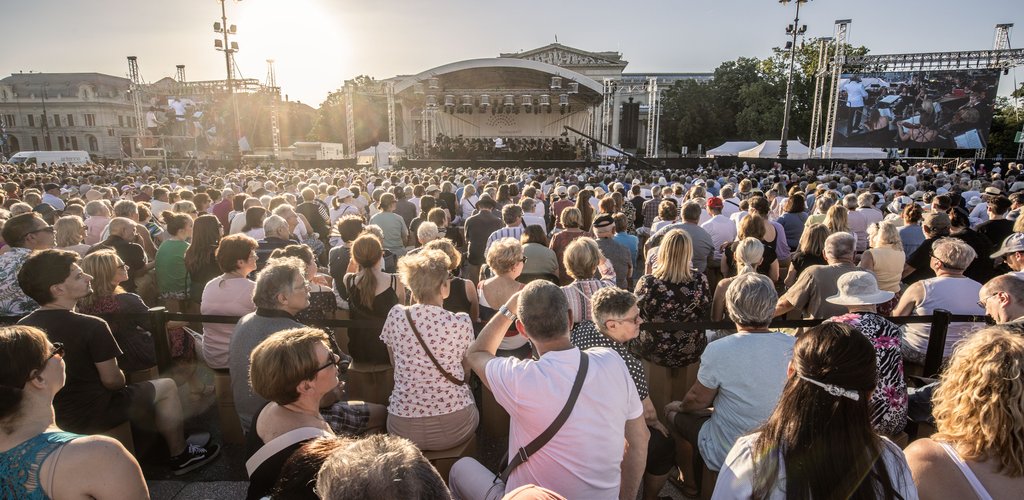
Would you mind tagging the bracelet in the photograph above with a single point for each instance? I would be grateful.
(506, 312)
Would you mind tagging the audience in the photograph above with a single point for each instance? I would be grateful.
(379, 467)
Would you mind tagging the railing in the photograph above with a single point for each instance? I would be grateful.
(939, 321)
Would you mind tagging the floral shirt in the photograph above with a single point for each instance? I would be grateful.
(660, 301)
(586, 336)
(13, 301)
(420, 388)
(889, 401)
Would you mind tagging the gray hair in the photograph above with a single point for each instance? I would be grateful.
(840, 245)
(275, 279)
(954, 254)
(274, 225)
(609, 302)
(865, 200)
(126, 208)
(751, 299)
(427, 232)
(850, 201)
(542, 307)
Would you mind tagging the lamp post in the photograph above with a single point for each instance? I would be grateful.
(229, 49)
(794, 30)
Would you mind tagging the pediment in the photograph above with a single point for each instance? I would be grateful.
(569, 57)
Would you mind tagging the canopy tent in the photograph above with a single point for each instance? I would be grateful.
(383, 154)
(855, 153)
(770, 149)
(731, 148)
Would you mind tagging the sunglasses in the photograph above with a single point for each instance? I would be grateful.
(57, 351)
(48, 229)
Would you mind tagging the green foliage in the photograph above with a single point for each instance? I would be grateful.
(371, 119)
(744, 101)
(1006, 122)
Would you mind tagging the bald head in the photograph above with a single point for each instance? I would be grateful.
(122, 227)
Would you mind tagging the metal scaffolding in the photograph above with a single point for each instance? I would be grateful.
(820, 72)
(653, 117)
(275, 98)
(136, 88)
(842, 28)
(389, 91)
(607, 106)
(350, 121)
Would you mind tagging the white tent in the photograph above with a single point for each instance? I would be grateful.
(381, 155)
(854, 153)
(770, 149)
(731, 148)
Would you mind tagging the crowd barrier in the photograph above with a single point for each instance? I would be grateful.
(939, 320)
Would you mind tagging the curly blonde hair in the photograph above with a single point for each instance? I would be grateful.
(979, 404)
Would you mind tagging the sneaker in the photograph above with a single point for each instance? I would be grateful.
(193, 458)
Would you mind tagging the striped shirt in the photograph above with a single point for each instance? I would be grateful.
(514, 232)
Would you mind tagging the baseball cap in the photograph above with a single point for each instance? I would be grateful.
(936, 220)
(715, 202)
(1012, 243)
(604, 220)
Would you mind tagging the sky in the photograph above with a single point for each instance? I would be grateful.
(317, 44)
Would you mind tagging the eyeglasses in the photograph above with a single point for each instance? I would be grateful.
(982, 302)
(636, 320)
(58, 350)
(524, 259)
(332, 360)
(48, 229)
(123, 266)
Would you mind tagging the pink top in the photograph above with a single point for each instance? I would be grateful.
(94, 229)
(420, 388)
(230, 296)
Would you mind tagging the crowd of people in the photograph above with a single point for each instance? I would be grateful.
(528, 288)
(508, 148)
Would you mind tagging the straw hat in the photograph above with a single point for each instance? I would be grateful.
(858, 288)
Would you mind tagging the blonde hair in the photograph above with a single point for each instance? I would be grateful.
(283, 360)
(102, 265)
(445, 245)
(572, 218)
(675, 258)
(812, 242)
(885, 235)
(1018, 226)
(581, 258)
(68, 230)
(836, 220)
(749, 253)
(752, 226)
(979, 404)
(504, 254)
(424, 273)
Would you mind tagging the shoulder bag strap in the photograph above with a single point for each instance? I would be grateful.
(451, 378)
(524, 453)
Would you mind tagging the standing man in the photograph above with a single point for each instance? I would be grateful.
(615, 252)
(855, 94)
(585, 458)
(25, 233)
(478, 229)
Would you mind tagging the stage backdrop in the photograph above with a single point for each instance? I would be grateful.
(916, 109)
(509, 124)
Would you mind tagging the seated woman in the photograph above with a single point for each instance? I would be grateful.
(69, 233)
(371, 293)
(541, 261)
(463, 296)
(978, 451)
(229, 294)
(885, 259)
(292, 369)
(582, 261)
(506, 260)
(37, 459)
(748, 255)
(810, 252)
(108, 271)
(322, 301)
(738, 384)
(431, 404)
(859, 292)
(389, 466)
(824, 406)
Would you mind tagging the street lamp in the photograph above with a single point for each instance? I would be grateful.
(229, 49)
(796, 29)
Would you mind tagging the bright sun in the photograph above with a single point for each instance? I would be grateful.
(302, 36)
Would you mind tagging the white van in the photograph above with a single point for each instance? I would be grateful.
(50, 157)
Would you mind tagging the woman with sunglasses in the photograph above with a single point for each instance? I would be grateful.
(293, 369)
(37, 459)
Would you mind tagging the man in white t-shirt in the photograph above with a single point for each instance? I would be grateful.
(585, 458)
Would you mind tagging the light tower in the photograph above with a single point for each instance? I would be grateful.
(795, 29)
(275, 96)
(229, 49)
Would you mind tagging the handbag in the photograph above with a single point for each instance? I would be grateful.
(451, 378)
(538, 442)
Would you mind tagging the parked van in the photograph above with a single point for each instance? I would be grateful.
(50, 157)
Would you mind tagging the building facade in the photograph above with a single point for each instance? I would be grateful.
(66, 111)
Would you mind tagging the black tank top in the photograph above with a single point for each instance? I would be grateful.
(457, 300)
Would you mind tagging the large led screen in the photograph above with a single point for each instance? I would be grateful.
(916, 109)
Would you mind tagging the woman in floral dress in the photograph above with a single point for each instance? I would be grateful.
(859, 292)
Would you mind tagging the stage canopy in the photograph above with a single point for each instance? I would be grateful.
(770, 149)
(731, 148)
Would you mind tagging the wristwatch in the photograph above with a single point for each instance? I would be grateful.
(504, 311)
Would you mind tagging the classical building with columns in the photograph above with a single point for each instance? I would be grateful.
(534, 93)
(66, 111)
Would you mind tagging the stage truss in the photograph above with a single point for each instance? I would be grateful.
(1000, 57)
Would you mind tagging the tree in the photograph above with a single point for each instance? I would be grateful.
(1006, 123)
(369, 110)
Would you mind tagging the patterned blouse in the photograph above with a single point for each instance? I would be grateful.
(420, 388)
(586, 336)
(662, 301)
(13, 301)
(889, 401)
